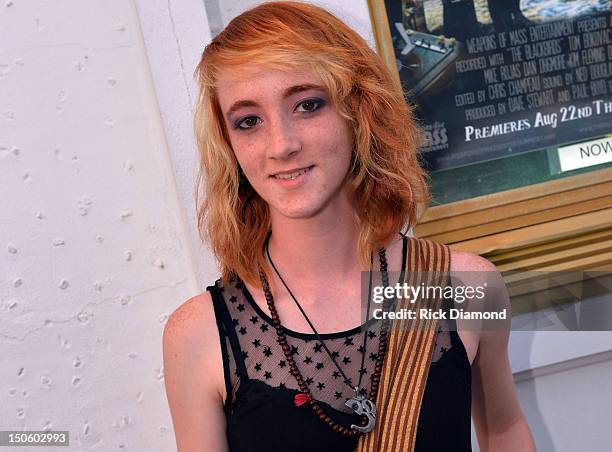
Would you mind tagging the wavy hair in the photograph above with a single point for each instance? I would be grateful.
(387, 186)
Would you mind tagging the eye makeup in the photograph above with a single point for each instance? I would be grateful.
(318, 102)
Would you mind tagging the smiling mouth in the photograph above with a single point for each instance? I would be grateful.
(289, 176)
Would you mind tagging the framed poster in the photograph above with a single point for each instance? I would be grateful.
(515, 100)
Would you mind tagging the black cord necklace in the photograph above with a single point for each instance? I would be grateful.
(365, 336)
(360, 404)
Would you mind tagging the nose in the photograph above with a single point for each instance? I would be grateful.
(284, 142)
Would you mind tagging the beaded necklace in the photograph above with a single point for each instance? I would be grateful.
(359, 404)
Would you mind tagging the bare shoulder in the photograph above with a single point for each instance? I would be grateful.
(191, 328)
(466, 261)
(193, 374)
(475, 270)
(191, 318)
(191, 336)
(470, 269)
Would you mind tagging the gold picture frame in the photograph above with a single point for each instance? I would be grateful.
(564, 224)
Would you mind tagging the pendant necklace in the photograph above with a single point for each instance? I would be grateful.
(360, 404)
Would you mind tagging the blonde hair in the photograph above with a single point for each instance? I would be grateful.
(387, 185)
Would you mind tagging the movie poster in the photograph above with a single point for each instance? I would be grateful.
(496, 78)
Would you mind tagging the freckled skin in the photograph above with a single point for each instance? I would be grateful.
(286, 133)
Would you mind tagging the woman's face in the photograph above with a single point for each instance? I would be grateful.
(290, 141)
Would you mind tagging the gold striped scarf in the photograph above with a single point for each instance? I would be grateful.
(409, 352)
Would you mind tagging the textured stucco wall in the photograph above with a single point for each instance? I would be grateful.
(93, 255)
(175, 33)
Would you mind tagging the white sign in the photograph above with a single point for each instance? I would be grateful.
(586, 154)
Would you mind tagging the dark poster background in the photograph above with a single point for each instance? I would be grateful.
(498, 78)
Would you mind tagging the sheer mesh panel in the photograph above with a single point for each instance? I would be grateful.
(265, 361)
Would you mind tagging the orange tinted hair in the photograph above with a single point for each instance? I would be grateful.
(387, 185)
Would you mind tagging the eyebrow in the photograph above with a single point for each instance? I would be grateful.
(287, 93)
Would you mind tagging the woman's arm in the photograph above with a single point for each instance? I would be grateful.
(498, 417)
(193, 373)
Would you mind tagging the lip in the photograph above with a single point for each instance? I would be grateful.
(294, 183)
(291, 170)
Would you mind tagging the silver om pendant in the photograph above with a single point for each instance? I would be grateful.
(360, 405)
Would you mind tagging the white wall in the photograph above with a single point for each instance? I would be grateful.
(354, 13)
(569, 408)
(175, 33)
(93, 245)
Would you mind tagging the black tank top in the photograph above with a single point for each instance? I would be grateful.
(260, 410)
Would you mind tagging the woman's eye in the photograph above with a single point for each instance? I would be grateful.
(310, 105)
(247, 123)
(306, 106)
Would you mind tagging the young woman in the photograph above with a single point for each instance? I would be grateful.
(309, 173)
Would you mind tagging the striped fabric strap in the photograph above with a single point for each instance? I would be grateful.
(409, 352)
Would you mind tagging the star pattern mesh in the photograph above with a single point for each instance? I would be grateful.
(264, 360)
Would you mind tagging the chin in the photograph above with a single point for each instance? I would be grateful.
(299, 211)
(296, 214)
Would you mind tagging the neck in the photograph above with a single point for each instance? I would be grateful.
(320, 248)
